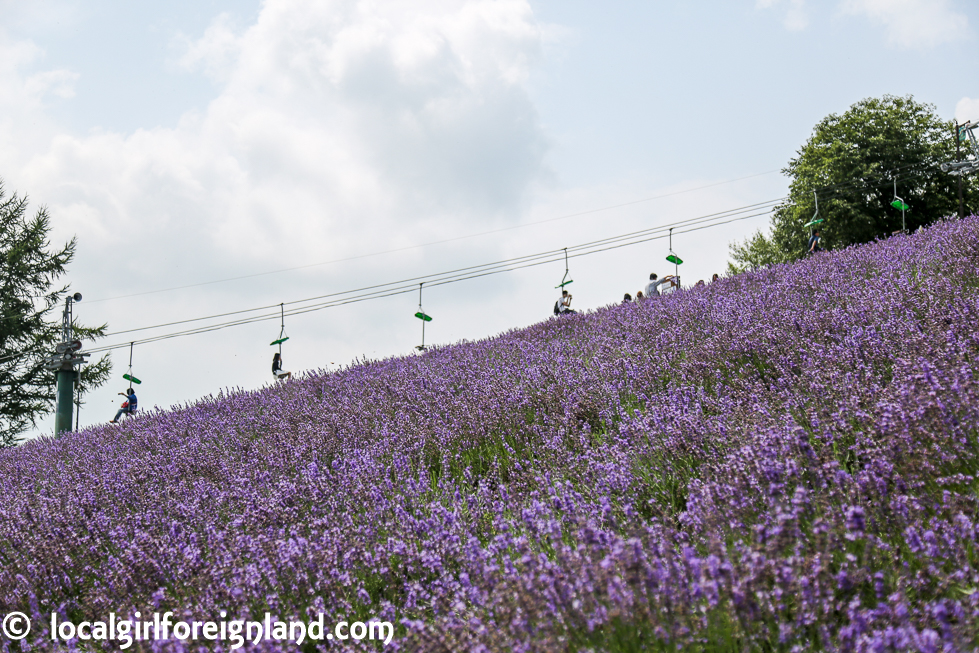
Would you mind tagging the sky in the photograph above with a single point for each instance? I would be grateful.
(216, 156)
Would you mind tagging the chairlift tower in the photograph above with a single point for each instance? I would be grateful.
(965, 131)
(63, 363)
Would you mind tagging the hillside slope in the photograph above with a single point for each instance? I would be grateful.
(786, 458)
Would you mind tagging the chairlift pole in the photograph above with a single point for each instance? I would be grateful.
(420, 310)
(899, 203)
(129, 374)
(676, 266)
(282, 330)
(282, 325)
(815, 197)
(567, 270)
(904, 228)
(675, 260)
(422, 316)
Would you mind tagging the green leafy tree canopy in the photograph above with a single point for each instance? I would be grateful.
(850, 162)
(30, 318)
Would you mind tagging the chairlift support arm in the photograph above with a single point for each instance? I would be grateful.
(899, 203)
(564, 280)
(812, 222)
(282, 329)
(675, 260)
(129, 375)
(421, 315)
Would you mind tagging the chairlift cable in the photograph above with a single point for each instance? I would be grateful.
(385, 290)
(429, 277)
(447, 240)
(472, 275)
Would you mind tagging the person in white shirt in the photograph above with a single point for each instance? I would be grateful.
(564, 303)
(652, 288)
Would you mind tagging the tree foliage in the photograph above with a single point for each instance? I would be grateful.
(850, 162)
(30, 321)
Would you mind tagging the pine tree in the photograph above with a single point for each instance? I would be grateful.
(30, 318)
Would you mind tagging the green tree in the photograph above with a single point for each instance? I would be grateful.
(30, 321)
(851, 161)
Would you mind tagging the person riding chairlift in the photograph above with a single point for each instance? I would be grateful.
(277, 371)
(652, 288)
(563, 305)
(815, 244)
(128, 406)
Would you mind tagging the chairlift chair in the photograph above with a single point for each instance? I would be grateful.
(565, 280)
(900, 205)
(423, 316)
(675, 260)
(816, 220)
(129, 375)
(282, 330)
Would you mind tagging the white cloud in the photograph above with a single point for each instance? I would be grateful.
(913, 24)
(60, 83)
(338, 123)
(796, 18)
(340, 127)
(967, 109)
(215, 53)
(24, 100)
(17, 89)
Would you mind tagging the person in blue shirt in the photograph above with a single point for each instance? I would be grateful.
(128, 406)
(814, 244)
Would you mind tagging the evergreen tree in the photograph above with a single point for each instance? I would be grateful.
(30, 318)
(850, 161)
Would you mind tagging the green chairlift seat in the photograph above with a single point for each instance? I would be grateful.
(282, 329)
(565, 280)
(674, 259)
(129, 374)
(423, 316)
(900, 205)
(813, 223)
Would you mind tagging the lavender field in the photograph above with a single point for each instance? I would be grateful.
(786, 460)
